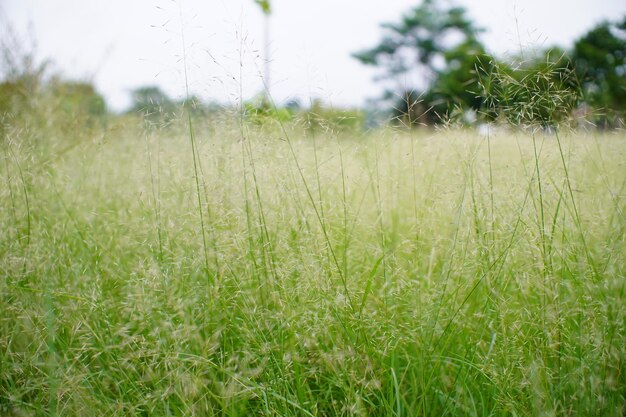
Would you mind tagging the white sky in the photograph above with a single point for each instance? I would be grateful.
(123, 44)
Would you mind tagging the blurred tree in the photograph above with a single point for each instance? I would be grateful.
(260, 112)
(541, 89)
(74, 105)
(21, 76)
(76, 98)
(600, 60)
(153, 104)
(455, 91)
(321, 118)
(196, 107)
(33, 98)
(16, 95)
(441, 45)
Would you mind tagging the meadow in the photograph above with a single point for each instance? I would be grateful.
(237, 270)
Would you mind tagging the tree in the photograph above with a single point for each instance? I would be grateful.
(442, 46)
(31, 95)
(152, 103)
(21, 76)
(600, 60)
(77, 98)
(541, 89)
(456, 88)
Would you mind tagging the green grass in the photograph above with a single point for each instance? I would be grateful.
(248, 272)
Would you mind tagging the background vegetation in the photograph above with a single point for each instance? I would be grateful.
(442, 46)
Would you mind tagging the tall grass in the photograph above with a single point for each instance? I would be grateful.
(381, 274)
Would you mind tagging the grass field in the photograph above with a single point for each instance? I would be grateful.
(238, 272)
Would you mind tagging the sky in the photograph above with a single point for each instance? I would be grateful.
(214, 48)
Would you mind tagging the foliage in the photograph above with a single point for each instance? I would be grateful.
(264, 5)
(260, 111)
(77, 98)
(440, 44)
(16, 96)
(21, 75)
(316, 118)
(32, 97)
(198, 108)
(541, 90)
(321, 118)
(425, 39)
(74, 99)
(600, 59)
(153, 104)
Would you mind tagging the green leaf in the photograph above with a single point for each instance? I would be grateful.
(265, 6)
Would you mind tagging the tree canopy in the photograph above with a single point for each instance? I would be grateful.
(600, 60)
(437, 46)
(423, 39)
(441, 46)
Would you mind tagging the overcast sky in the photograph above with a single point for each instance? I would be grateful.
(121, 44)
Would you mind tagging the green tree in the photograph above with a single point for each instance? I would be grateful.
(74, 105)
(33, 97)
(78, 98)
(441, 46)
(600, 60)
(21, 76)
(541, 89)
(153, 104)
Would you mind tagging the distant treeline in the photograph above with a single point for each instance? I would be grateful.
(461, 84)
(158, 109)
